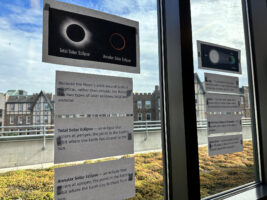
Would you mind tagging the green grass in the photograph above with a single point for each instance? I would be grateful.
(217, 174)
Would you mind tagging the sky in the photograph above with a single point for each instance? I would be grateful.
(21, 67)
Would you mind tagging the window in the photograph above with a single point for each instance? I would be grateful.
(20, 120)
(46, 119)
(28, 34)
(139, 104)
(28, 106)
(12, 107)
(148, 104)
(218, 150)
(28, 119)
(38, 107)
(1, 112)
(139, 116)
(148, 116)
(11, 120)
(46, 106)
(38, 120)
(20, 107)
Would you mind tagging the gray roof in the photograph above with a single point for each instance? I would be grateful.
(32, 99)
(21, 99)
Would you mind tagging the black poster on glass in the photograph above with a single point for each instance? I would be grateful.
(218, 58)
(89, 38)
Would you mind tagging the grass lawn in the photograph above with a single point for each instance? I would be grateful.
(217, 174)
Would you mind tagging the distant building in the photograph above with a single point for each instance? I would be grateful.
(2, 109)
(199, 99)
(26, 110)
(245, 102)
(147, 105)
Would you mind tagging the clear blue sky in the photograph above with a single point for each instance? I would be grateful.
(216, 21)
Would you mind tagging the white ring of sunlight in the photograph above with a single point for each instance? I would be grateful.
(86, 38)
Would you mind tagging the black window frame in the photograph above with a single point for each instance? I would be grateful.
(179, 137)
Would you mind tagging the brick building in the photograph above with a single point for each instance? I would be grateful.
(26, 110)
(147, 105)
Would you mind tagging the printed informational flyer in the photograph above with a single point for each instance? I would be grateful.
(222, 103)
(220, 83)
(224, 123)
(78, 93)
(219, 145)
(91, 138)
(112, 180)
(94, 117)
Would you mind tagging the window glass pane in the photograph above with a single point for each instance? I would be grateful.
(148, 104)
(226, 151)
(26, 80)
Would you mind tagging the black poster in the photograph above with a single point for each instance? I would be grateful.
(89, 38)
(215, 57)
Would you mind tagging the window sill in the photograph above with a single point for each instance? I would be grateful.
(259, 192)
(250, 191)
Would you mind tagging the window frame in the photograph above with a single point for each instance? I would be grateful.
(20, 120)
(148, 114)
(38, 117)
(148, 106)
(139, 106)
(182, 177)
(28, 120)
(13, 119)
(38, 107)
(46, 106)
(12, 107)
(20, 107)
(139, 116)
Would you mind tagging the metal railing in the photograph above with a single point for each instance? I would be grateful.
(40, 130)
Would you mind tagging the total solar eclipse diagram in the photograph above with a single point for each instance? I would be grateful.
(73, 38)
(219, 58)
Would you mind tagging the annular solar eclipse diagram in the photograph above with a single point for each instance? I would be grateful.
(79, 36)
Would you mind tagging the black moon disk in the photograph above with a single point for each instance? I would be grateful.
(75, 32)
(117, 41)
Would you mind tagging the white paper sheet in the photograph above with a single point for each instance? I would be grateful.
(112, 180)
(219, 145)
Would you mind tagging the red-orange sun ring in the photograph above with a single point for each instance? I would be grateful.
(124, 42)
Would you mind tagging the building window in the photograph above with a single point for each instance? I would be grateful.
(28, 106)
(139, 116)
(28, 120)
(46, 107)
(12, 107)
(46, 119)
(38, 107)
(20, 120)
(139, 104)
(148, 116)
(11, 119)
(242, 100)
(20, 107)
(1, 112)
(148, 104)
(195, 98)
(38, 120)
